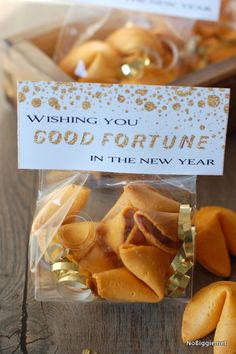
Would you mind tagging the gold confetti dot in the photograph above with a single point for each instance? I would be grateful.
(57, 106)
(213, 101)
(139, 101)
(190, 102)
(37, 88)
(226, 108)
(98, 94)
(149, 106)
(183, 93)
(53, 101)
(164, 108)
(21, 97)
(176, 106)
(36, 102)
(141, 91)
(86, 105)
(201, 103)
(202, 127)
(121, 98)
(25, 89)
(55, 88)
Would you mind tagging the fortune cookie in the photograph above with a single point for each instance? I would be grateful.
(222, 52)
(85, 248)
(116, 230)
(136, 237)
(149, 264)
(96, 261)
(121, 285)
(160, 229)
(216, 238)
(57, 199)
(205, 28)
(102, 70)
(121, 203)
(81, 241)
(126, 39)
(227, 33)
(216, 42)
(96, 56)
(146, 198)
(213, 307)
(77, 205)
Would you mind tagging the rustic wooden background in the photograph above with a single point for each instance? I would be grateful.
(28, 326)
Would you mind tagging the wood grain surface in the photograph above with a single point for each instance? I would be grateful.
(28, 326)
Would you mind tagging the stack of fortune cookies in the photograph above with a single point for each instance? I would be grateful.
(129, 55)
(154, 55)
(127, 255)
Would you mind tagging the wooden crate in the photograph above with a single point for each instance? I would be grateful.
(29, 57)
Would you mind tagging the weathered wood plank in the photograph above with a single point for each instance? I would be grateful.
(16, 205)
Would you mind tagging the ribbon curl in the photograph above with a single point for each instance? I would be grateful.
(184, 259)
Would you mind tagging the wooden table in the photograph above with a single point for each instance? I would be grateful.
(28, 326)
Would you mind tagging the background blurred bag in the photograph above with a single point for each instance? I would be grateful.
(31, 55)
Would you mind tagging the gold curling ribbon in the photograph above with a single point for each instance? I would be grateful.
(70, 283)
(88, 351)
(184, 259)
(135, 67)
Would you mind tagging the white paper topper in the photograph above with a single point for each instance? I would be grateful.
(122, 128)
(195, 9)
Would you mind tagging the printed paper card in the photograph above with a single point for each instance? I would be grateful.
(196, 9)
(122, 128)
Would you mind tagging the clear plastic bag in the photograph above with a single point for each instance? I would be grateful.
(212, 42)
(114, 237)
(100, 44)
